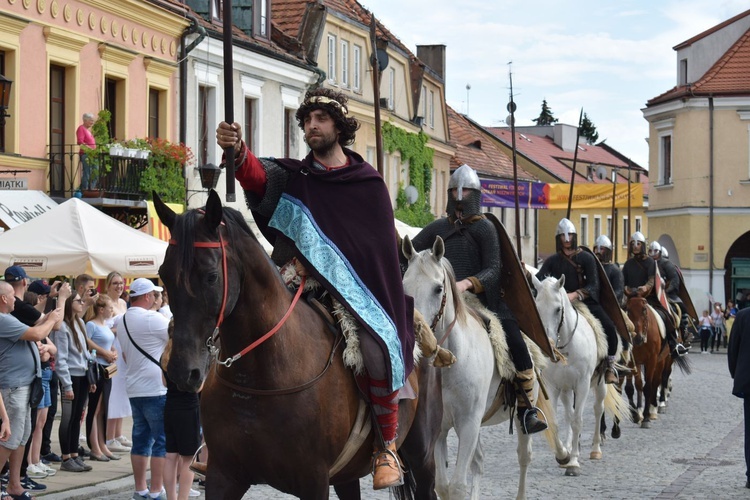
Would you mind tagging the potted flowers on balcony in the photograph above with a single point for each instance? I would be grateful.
(165, 171)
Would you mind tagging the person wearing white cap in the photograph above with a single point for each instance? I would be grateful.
(143, 336)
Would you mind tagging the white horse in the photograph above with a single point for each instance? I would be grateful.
(469, 386)
(570, 380)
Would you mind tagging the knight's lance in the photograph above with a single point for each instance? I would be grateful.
(575, 159)
(228, 94)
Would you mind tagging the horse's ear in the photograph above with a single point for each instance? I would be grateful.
(407, 248)
(214, 210)
(561, 282)
(166, 214)
(438, 249)
(535, 281)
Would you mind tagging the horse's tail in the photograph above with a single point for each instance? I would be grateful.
(550, 434)
(685, 365)
(615, 405)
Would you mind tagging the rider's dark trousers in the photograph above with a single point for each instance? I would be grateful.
(609, 327)
(519, 353)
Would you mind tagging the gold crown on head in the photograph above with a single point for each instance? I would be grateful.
(321, 99)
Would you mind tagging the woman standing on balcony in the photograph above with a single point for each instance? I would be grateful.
(85, 139)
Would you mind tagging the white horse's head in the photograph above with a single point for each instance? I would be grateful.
(431, 281)
(557, 313)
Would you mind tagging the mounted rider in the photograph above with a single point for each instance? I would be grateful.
(581, 284)
(672, 281)
(603, 251)
(312, 211)
(473, 249)
(639, 273)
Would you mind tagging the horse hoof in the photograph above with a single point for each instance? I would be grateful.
(645, 424)
(616, 433)
(573, 471)
(563, 461)
(662, 409)
(596, 455)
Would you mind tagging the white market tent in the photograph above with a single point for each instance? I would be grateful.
(75, 238)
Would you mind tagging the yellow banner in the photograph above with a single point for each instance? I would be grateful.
(159, 230)
(594, 196)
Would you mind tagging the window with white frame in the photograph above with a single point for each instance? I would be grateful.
(432, 109)
(424, 102)
(332, 58)
(664, 130)
(597, 227)
(526, 222)
(344, 63)
(625, 231)
(609, 227)
(638, 224)
(584, 240)
(391, 88)
(356, 68)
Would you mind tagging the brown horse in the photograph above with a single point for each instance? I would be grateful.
(652, 359)
(279, 408)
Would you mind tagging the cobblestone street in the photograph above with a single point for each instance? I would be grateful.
(695, 450)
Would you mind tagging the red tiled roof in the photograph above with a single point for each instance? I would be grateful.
(286, 15)
(543, 151)
(474, 148)
(730, 75)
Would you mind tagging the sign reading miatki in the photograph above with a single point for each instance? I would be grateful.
(13, 184)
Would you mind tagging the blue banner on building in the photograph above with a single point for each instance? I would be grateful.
(499, 193)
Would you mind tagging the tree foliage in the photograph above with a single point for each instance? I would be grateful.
(545, 117)
(588, 130)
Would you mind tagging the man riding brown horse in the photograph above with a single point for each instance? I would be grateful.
(640, 273)
(312, 211)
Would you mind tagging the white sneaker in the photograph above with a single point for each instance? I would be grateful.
(115, 445)
(46, 468)
(193, 493)
(124, 441)
(36, 472)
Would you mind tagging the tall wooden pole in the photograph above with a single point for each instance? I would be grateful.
(512, 109)
(575, 160)
(228, 94)
(613, 229)
(376, 96)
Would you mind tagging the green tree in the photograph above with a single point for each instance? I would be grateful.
(545, 117)
(588, 130)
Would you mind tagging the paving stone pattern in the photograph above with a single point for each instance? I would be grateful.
(694, 451)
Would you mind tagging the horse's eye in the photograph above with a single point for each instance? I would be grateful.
(213, 278)
(439, 290)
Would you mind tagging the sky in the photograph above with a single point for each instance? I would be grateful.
(607, 57)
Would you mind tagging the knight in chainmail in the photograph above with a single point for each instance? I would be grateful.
(330, 216)
(603, 251)
(582, 284)
(473, 249)
(639, 274)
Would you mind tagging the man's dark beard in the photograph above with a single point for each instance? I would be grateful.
(323, 147)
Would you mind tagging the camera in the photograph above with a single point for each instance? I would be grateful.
(92, 292)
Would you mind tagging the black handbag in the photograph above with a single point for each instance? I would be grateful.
(36, 389)
(92, 372)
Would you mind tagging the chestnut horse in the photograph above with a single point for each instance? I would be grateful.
(651, 356)
(276, 409)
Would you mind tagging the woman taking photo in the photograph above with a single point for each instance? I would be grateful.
(72, 363)
(101, 340)
(119, 404)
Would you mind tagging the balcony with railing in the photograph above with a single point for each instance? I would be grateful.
(113, 177)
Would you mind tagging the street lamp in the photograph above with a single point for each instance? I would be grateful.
(5, 85)
(209, 174)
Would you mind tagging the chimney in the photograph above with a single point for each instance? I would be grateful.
(434, 57)
(565, 137)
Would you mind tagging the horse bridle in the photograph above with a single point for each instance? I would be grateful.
(441, 311)
(562, 320)
(211, 340)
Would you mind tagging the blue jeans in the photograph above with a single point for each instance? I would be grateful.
(149, 439)
(46, 401)
(86, 181)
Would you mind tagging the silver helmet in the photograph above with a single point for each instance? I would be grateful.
(638, 236)
(603, 241)
(567, 230)
(654, 248)
(464, 177)
(664, 253)
(468, 204)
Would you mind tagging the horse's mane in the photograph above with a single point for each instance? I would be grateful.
(186, 228)
(461, 307)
